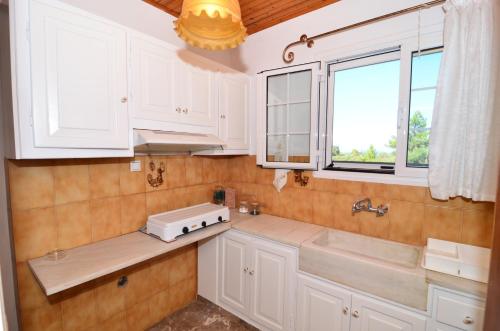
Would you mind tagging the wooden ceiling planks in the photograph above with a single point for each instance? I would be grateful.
(257, 14)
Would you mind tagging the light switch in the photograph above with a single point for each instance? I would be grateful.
(135, 166)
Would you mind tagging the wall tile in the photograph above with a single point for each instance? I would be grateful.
(372, 225)
(185, 264)
(71, 182)
(442, 223)
(29, 290)
(74, 227)
(160, 272)
(264, 176)
(46, 318)
(454, 202)
(115, 323)
(343, 218)
(104, 180)
(194, 170)
(296, 204)
(139, 287)
(478, 227)
(105, 218)
(110, 299)
(31, 186)
(159, 162)
(139, 317)
(176, 172)
(323, 208)
(159, 306)
(133, 212)
(321, 184)
(406, 222)
(182, 294)
(157, 202)
(132, 182)
(349, 187)
(212, 169)
(35, 232)
(79, 311)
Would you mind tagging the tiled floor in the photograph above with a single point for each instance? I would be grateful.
(202, 315)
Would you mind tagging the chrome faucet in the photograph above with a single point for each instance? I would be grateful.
(365, 204)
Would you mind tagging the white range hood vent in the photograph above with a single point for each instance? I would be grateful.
(154, 141)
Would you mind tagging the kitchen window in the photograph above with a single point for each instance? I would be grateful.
(379, 111)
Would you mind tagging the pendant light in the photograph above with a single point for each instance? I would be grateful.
(211, 24)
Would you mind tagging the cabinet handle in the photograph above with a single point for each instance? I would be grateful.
(124, 99)
(245, 270)
(345, 310)
(185, 110)
(468, 320)
(355, 314)
(251, 273)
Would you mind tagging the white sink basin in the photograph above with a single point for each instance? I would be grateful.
(384, 268)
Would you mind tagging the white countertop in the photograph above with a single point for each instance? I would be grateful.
(85, 263)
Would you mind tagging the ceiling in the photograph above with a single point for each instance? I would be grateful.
(257, 14)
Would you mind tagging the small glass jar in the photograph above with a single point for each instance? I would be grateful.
(243, 207)
(219, 195)
(254, 208)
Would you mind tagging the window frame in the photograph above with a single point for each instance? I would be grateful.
(381, 56)
(403, 174)
(314, 67)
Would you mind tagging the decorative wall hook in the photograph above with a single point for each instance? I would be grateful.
(158, 180)
(300, 178)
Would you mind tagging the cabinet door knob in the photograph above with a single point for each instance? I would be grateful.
(178, 109)
(185, 110)
(468, 320)
(345, 310)
(355, 314)
(223, 116)
(124, 99)
(251, 273)
(245, 270)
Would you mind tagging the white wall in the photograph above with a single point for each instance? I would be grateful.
(263, 50)
(145, 18)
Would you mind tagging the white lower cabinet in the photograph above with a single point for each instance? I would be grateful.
(373, 315)
(321, 307)
(257, 280)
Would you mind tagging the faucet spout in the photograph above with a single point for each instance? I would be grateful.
(365, 204)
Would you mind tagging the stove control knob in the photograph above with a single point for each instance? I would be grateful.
(185, 229)
(203, 224)
(220, 218)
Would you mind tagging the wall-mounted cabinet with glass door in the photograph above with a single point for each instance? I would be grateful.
(290, 118)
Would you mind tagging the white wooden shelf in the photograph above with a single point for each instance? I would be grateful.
(85, 263)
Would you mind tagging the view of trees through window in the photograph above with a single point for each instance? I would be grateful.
(365, 111)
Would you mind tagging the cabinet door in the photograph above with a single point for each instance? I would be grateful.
(153, 81)
(79, 80)
(271, 277)
(233, 273)
(372, 315)
(233, 110)
(322, 306)
(200, 98)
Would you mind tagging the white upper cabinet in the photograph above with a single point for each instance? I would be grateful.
(69, 83)
(233, 110)
(169, 91)
(79, 80)
(289, 117)
(155, 92)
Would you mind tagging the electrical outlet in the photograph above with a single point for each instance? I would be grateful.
(135, 166)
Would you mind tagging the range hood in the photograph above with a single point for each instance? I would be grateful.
(155, 141)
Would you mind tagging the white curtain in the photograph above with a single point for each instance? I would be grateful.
(464, 140)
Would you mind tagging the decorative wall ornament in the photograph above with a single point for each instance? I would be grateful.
(158, 180)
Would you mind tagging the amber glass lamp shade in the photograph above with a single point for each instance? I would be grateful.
(211, 24)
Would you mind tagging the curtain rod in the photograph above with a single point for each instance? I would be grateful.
(288, 56)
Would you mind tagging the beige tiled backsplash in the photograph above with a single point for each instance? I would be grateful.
(66, 203)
